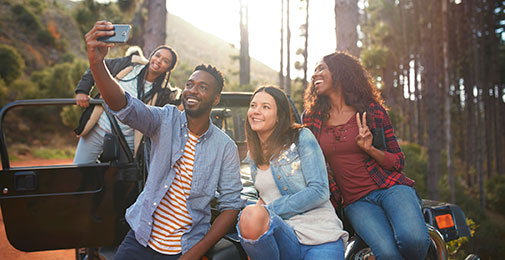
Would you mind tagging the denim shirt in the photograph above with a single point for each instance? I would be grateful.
(216, 170)
(300, 175)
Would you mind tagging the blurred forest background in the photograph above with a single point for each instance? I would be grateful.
(440, 65)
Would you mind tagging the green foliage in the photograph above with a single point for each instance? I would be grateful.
(396, 120)
(79, 67)
(58, 81)
(416, 166)
(91, 11)
(70, 115)
(24, 89)
(51, 153)
(297, 91)
(181, 74)
(489, 238)
(4, 91)
(382, 32)
(126, 5)
(375, 58)
(453, 247)
(37, 5)
(85, 19)
(46, 38)
(495, 193)
(486, 233)
(68, 57)
(26, 18)
(12, 64)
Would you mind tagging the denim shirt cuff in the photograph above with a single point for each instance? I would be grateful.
(121, 114)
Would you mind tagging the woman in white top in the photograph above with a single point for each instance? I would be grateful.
(293, 218)
(147, 80)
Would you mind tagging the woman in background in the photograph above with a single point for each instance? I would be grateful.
(147, 80)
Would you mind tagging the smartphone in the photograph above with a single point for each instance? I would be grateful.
(121, 33)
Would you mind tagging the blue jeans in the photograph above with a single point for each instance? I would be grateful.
(130, 249)
(90, 146)
(390, 221)
(280, 242)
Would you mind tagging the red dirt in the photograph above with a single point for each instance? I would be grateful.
(8, 252)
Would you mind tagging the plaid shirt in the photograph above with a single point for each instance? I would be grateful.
(382, 177)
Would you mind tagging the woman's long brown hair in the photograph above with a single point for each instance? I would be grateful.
(347, 73)
(285, 132)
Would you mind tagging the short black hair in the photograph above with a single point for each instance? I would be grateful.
(215, 72)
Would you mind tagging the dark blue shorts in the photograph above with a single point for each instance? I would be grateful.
(130, 249)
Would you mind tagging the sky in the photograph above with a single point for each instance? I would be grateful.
(221, 18)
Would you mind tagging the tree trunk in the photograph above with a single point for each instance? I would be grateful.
(306, 47)
(155, 33)
(499, 132)
(417, 60)
(500, 126)
(432, 99)
(469, 81)
(139, 22)
(447, 102)
(245, 63)
(404, 71)
(388, 90)
(346, 21)
(493, 76)
(281, 69)
(288, 50)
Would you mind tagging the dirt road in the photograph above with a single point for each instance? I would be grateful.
(8, 252)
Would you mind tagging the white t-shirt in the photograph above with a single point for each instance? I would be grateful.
(129, 86)
(314, 227)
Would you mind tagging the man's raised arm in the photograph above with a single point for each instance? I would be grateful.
(109, 89)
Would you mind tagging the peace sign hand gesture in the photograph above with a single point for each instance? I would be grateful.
(364, 137)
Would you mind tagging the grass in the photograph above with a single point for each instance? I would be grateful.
(49, 153)
(21, 152)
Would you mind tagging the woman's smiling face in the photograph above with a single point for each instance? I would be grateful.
(262, 114)
(160, 61)
(321, 79)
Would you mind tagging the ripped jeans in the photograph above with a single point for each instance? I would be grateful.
(280, 242)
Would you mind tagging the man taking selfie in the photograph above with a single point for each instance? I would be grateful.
(191, 159)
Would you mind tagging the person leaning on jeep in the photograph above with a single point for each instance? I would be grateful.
(191, 160)
(146, 79)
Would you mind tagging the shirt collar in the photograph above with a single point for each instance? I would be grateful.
(204, 136)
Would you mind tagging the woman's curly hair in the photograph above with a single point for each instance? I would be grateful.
(348, 73)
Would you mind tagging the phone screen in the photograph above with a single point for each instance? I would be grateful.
(121, 33)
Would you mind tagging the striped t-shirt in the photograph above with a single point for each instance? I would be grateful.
(171, 217)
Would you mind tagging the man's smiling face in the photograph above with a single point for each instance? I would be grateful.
(200, 93)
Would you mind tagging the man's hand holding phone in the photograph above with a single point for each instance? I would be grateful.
(97, 50)
(121, 33)
(102, 36)
(109, 88)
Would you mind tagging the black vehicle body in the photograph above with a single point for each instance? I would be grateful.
(83, 206)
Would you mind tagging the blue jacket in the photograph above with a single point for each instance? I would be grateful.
(300, 175)
(216, 169)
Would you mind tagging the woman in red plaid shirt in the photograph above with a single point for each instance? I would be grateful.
(345, 112)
